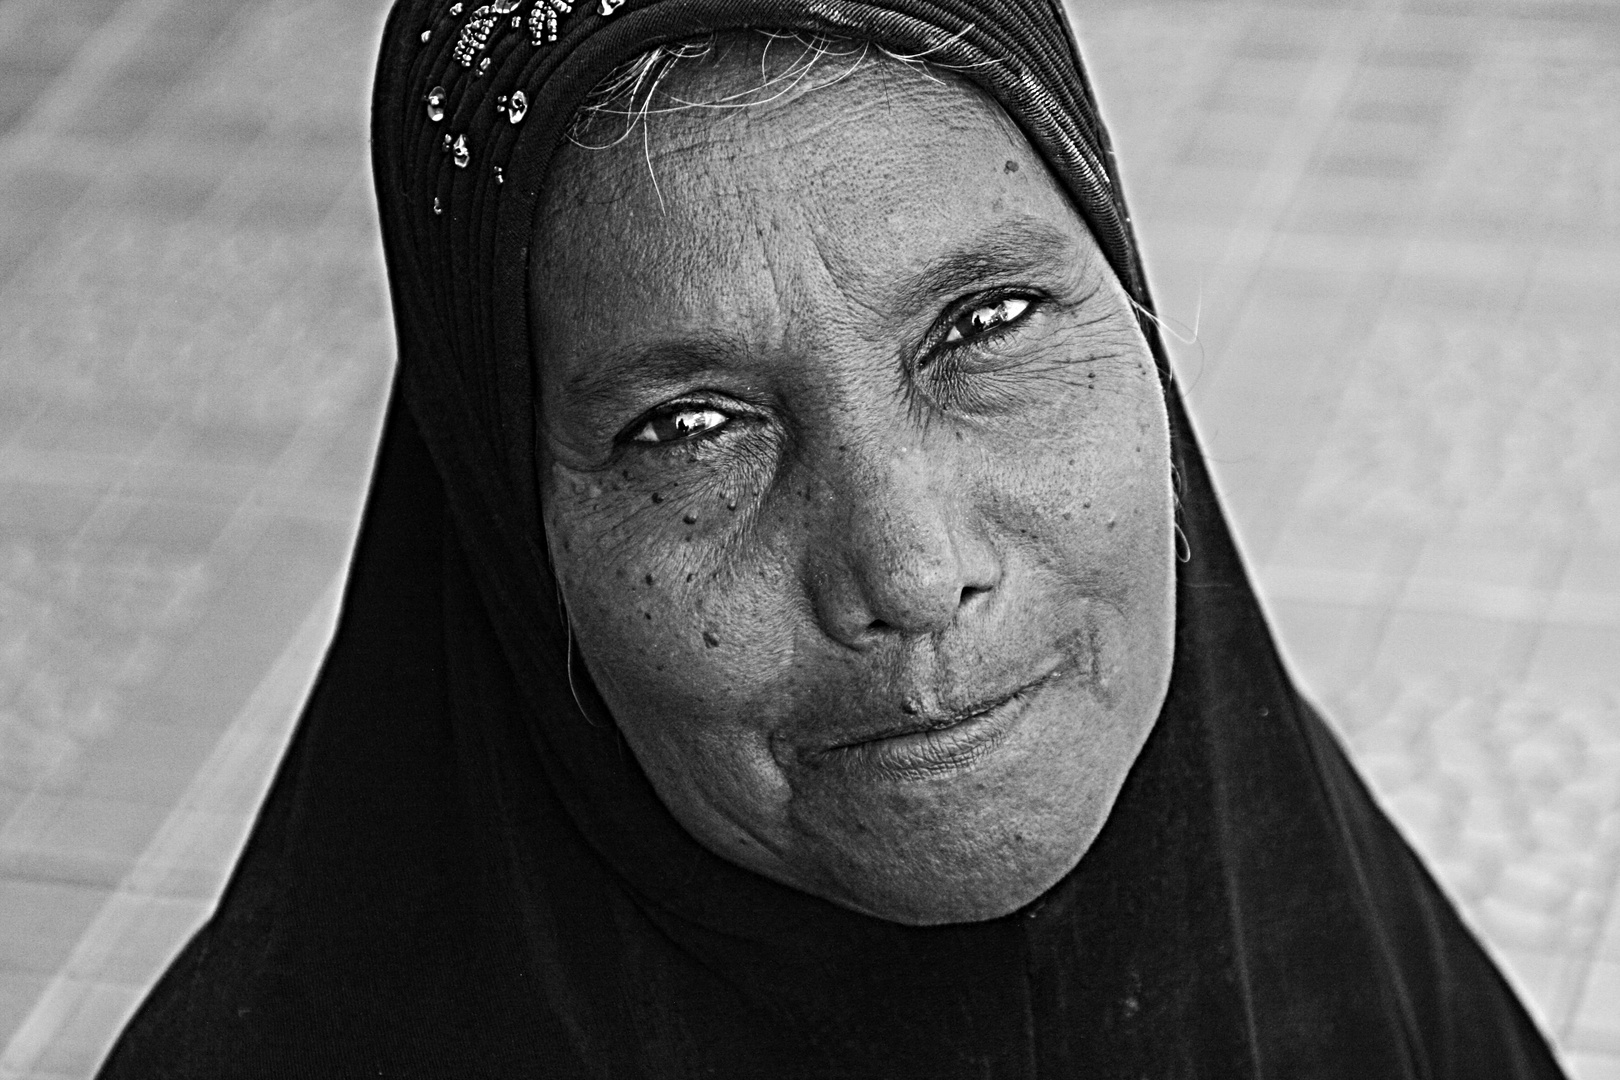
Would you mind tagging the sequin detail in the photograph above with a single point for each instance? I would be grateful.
(543, 20)
(480, 31)
(480, 25)
(474, 36)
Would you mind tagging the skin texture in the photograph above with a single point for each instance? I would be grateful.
(856, 531)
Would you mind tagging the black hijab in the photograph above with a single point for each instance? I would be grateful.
(461, 870)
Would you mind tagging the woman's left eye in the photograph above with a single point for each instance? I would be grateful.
(981, 318)
(680, 422)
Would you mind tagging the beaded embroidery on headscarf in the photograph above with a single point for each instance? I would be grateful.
(485, 21)
(482, 29)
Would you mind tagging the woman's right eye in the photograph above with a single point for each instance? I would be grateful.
(981, 318)
(678, 422)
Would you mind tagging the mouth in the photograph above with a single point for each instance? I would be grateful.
(933, 744)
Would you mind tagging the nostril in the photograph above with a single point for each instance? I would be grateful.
(969, 594)
(878, 584)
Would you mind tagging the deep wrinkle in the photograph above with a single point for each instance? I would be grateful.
(957, 571)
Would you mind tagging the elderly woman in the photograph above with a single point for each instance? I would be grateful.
(793, 632)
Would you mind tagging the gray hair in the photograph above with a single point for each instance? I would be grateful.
(634, 91)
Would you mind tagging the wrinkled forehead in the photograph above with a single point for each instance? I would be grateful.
(739, 187)
(758, 135)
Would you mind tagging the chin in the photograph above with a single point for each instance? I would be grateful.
(933, 866)
(937, 900)
(959, 823)
(951, 880)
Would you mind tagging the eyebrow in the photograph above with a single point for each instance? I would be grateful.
(659, 362)
(1019, 246)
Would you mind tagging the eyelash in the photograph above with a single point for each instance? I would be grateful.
(1000, 303)
(669, 412)
(942, 344)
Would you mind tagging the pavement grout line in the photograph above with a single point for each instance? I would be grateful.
(1440, 596)
(15, 14)
(34, 141)
(280, 481)
(1570, 1030)
(1295, 143)
(249, 747)
(78, 85)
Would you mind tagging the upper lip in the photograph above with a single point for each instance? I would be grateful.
(938, 719)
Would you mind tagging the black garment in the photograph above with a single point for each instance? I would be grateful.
(461, 871)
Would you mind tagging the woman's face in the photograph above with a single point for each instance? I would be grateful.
(856, 479)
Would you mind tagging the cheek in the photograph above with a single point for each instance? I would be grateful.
(666, 608)
(1086, 477)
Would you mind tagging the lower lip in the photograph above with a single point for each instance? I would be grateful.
(923, 755)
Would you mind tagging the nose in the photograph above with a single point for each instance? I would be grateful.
(901, 553)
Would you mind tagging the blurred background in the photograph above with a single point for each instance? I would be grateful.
(1386, 235)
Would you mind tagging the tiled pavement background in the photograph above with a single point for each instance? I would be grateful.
(1389, 233)
(1396, 230)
